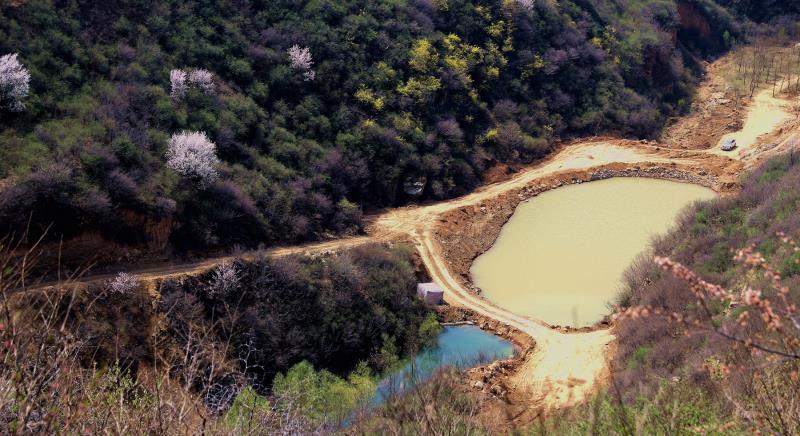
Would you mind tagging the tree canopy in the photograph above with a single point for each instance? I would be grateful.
(318, 109)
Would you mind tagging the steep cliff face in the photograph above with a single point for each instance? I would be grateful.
(156, 231)
(692, 19)
(696, 30)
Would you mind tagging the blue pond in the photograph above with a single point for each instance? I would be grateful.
(459, 346)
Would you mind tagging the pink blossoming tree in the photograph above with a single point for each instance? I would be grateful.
(177, 79)
(202, 79)
(180, 82)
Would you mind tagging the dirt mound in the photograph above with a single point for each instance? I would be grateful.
(715, 112)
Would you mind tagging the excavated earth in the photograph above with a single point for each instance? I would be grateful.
(467, 232)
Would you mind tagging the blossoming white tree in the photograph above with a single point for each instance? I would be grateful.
(192, 154)
(302, 61)
(14, 82)
(123, 283)
(177, 79)
(225, 280)
(526, 5)
(202, 79)
(180, 81)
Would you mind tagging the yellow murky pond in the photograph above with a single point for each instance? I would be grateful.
(561, 256)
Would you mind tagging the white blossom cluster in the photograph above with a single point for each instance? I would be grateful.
(123, 283)
(225, 280)
(177, 78)
(192, 154)
(180, 81)
(14, 82)
(202, 79)
(302, 61)
(527, 5)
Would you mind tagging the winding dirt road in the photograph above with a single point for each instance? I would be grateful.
(564, 367)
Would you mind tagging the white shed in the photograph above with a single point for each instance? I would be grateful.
(430, 292)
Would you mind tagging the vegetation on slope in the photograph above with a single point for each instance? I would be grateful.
(708, 359)
(118, 357)
(304, 114)
(332, 312)
(761, 10)
(388, 93)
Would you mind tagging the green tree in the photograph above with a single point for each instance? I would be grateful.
(322, 395)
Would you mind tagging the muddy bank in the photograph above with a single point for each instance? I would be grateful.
(492, 380)
(466, 233)
(459, 316)
(492, 383)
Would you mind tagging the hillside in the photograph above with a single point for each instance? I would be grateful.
(164, 356)
(712, 348)
(428, 92)
(214, 215)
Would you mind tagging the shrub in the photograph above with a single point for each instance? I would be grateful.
(439, 406)
(321, 396)
(225, 280)
(674, 408)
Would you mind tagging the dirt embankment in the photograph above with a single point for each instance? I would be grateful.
(504, 408)
(459, 315)
(716, 111)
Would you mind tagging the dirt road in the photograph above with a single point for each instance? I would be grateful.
(766, 114)
(565, 367)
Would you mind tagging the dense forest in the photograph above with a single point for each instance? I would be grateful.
(301, 115)
(333, 311)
